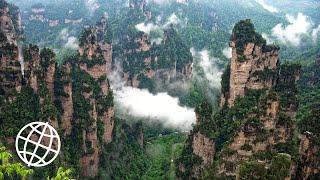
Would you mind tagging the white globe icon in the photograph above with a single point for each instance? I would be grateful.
(38, 144)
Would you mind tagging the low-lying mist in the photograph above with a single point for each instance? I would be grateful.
(144, 105)
(157, 107)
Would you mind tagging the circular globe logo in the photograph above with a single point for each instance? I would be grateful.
(38, 144)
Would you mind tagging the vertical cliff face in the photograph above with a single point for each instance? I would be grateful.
(309, 157)
(95, 62)
(255, 68)
(33, 78)
(10, 22)
(93, 46)
(39, 67)
(32, 66)
(251, 63)
(175, 60)
(10, 71)
(63, 96)
(144, 63)
(253, 132)
(39, 70)
(138, 63)
(204, 148)
(308, 123)
(74, 97)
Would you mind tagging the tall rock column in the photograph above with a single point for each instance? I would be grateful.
(257, 115)
(31, 55)
(10, 70)
(48, 65)
(95, 60)
(63, 96)
(251, 64)
(309, 160)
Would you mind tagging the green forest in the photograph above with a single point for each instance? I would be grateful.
(163, 89)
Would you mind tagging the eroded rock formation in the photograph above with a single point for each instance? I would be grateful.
(10, 26)
(257, 115)
(96, 58)
(309, 160)
(203, 147)
(147, 64)
(252, 67)
(74, 97)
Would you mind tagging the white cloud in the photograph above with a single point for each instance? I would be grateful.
(173, 19)
(315, 33)
(267, 6)
(21, 58)
(155, 107)
(72, 42)
(157, 40)
(269, 39)
(212, 72)
(147, 28)
(297, 27)
(227, 52)
(161, 107)
(161, 2)
(64, 34)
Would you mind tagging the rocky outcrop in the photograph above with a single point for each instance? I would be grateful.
(251, 69)
(253, 63)
(55, 87)
(49, 77)
(10, 22)
(147, 64)
(309, 157)
(32, 66)
(10, 27)
(63, 80)
(94, 48)
(204, 148)
(108, 121)
(257, 115)
(138, 61)
(96, 58)
(181, 67)
(75, 97)
(257, 67)
(39, 67)
(10, 70)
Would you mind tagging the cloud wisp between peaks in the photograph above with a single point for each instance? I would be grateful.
(149, 27)
(298, 26)
(208, 64)
(160, 107)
